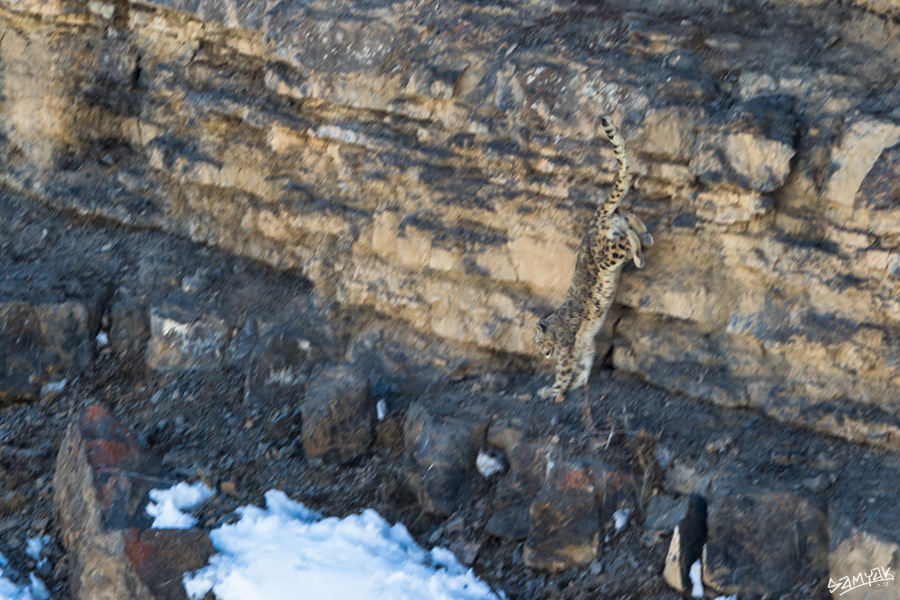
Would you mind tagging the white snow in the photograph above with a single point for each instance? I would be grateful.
(10, 591)
(488, 463)
(53, 387)
(734, 597)
(620, 518)
(34, 546)
(38, 589)
(102, 339)
(276, 552)
(381, 409)
(696, 580)
(167, 505)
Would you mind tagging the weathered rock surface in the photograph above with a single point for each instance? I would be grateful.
(338, 414)
(565, 521)
(181, 340)
(161, 557)
(100, 492)
(440, 454)
(445, 181)
(752, 551)
(615, 489)
(129, 329)
(863, 553)
(279, 367)
(864, 144)
(751, 149)
(43, 343)
(518, 489)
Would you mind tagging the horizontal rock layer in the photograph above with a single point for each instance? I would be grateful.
(437, 164)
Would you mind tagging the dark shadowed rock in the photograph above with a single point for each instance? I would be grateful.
(518, 489)
(664, 513)
(280, 366)
(764, 541)
(880, 190)
(30, 241)
(182, 340)
(129, 329)
(616, 489)
(242, 345)
(40, 343)
(338, 414)
(565, 529)
(688, 537)
(506, 434)
(440, 457)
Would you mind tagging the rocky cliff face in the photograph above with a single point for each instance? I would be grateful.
(437, 163)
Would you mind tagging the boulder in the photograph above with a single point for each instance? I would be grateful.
(616, 490)
(161, 557)
(564, 529)
(42, 343)
(440, 456)
(339, 414)
(864, 552)
(185, 340)
(100, 494)
(517, 489)
(279, 367)
(764, 541)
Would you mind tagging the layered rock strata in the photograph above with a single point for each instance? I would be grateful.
(436, 163)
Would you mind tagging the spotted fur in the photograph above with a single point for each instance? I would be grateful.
(612, 239)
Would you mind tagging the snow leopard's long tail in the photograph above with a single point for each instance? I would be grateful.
(623, 178)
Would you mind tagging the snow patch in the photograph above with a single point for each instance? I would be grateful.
(53, 388)
(272, 553)
(34, 546)
(381, 409)
(38, 589)
(696, 580)
(173, 327)
(102, 339)
(167, 505)
(488, 463)
(734, 597)
(620, 518)
(10, 591)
